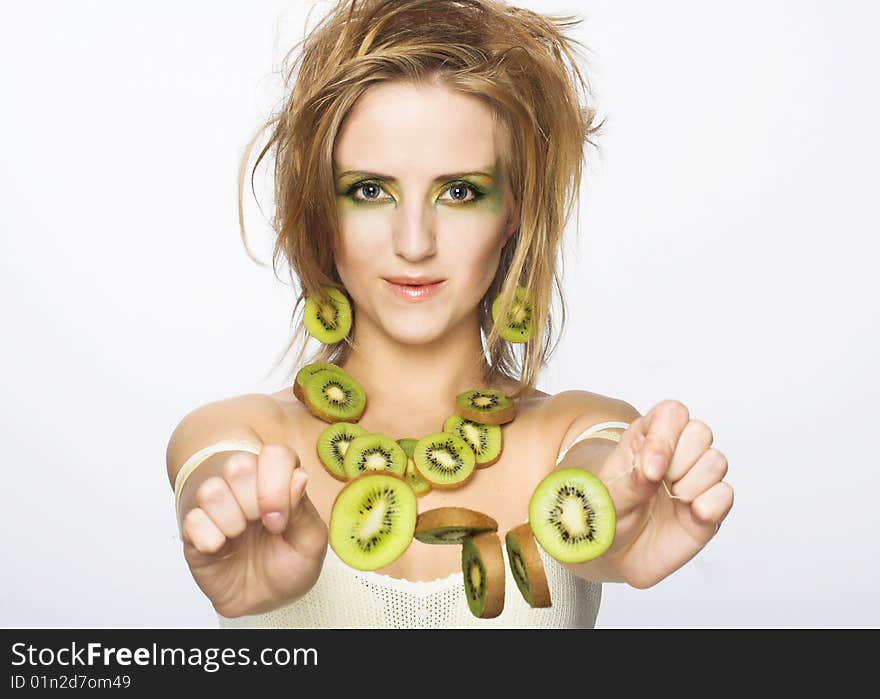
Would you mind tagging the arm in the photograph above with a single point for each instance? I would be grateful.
(242, 423)
(251, 537)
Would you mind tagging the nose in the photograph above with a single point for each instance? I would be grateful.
(414, 237)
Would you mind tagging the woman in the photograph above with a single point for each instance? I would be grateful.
(427, 158)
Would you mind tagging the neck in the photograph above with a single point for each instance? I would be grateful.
(411, 389)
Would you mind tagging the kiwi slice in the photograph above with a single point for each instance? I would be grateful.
(484, 440)
(372, 520)
(333, 396)
(526, 566)
(419, 484)
(444, 460)
(452, 525)
(487, 406)
(332, 444)
(328, 321)
(306, 372)
(517, 326)
(374, 452)
(572, 515)
(482, 566)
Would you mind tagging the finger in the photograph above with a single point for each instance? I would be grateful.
(709, 469)
(695, 439)
(298, 482)
(274, 470)
(240, 473)
(626, 482)
(663, 425)
(200, 532)
(215, 498)
(305, 528)
(714, 505)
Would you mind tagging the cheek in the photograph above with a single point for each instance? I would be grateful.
(478, 260)
(360, 248)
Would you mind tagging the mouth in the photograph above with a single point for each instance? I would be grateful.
(412, 288)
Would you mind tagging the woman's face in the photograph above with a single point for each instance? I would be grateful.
(421, 198)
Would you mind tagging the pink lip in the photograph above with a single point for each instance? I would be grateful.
(414, 292)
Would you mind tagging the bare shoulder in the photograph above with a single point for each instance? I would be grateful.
(576, 410)
(252, 416)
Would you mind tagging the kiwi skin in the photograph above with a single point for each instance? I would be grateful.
(452, 518)
(306, 372)
(536, 577)
(342, 310)
(467, 453)
(408, 524)
(317, 409)
(521, 299)
(603, 522)
(419, 484)
(356, 429)
(394, 450)
(455, 420)
(487, 548)
(497, 417)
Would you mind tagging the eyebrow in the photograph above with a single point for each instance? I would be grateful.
(486, 172)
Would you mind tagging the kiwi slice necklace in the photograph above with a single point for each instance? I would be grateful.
(375, 516)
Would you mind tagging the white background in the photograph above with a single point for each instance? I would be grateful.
(726, 258)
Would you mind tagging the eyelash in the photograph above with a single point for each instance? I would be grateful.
(477, 192)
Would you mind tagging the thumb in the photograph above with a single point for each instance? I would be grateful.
(624, 474)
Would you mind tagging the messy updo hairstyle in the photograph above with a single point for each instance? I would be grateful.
(523, 67)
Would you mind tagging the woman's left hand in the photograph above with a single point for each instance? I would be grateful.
(657, 534)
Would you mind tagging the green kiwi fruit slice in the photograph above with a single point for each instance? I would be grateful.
(484, 440)
(572, 515)
(333, 396)
(487, 406)
(372, 520)
(306, 372)
(374, 452)
(526, 566)
(332, 445)
(328, 322)
(482, 566)
(452, 525)
(444, 460)
(419, 484)
(517, 327)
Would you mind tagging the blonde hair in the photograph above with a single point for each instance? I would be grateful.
(518, 62)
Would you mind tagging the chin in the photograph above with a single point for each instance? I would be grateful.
(415, 335)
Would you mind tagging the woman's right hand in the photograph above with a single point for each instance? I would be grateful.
(255, 541)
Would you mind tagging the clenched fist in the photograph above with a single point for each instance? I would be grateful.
(254, 541)
(667, 484)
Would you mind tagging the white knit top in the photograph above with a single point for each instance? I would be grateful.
(344, 597)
